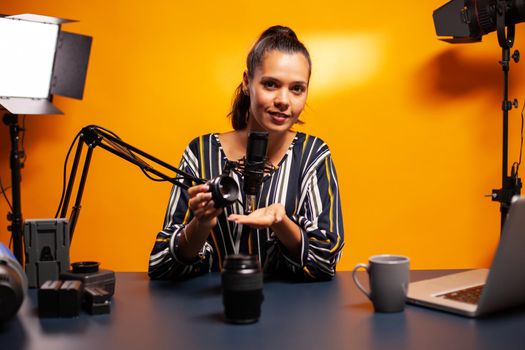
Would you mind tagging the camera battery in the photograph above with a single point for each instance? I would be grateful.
(97, 301)
(48, 299)
(96, 295)
(99, 309)
(70, 298)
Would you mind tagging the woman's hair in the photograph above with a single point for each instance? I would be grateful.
(278, 38)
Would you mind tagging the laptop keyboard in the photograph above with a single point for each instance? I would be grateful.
(467, 295)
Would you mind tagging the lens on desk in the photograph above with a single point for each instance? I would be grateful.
(242, 282)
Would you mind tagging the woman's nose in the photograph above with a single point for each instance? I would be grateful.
(282, 100)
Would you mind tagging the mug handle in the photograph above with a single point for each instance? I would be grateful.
(354, 277)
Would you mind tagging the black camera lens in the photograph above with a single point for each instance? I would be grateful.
(13, 284)
(224, 190)
(242, 282)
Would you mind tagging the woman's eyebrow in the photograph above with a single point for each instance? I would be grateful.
(265, 77)
(301, 82)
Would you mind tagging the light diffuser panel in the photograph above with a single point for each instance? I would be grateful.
(26, 63)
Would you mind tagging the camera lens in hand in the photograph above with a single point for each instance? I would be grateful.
(242, 283)
(13, 284)
(224, 190)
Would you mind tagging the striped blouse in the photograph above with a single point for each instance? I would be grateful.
(304, 181)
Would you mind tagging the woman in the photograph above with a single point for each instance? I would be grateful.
(298, 230)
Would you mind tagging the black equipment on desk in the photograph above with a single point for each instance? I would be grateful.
(84, 286)
(242, 284)
(90, 275)
(59, 299)
(13, 284)
(98, 285)
(97, 301)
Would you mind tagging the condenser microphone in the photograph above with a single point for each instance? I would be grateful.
(255, 161)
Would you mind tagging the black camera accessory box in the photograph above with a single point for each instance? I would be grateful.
(91, 277)
(97, 301)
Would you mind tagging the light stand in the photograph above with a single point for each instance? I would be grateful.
(39, 61)
(511, 185)
(15, 164)
(467, 21)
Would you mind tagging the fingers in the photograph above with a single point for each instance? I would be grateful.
(194, 190)
(204, 208)
(235, 217)
(210, 212)
(201, 203)
(243, 220)
(254, 221)
(199, 198)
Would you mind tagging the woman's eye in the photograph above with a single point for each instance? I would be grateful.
(298, 89)
(269, 84)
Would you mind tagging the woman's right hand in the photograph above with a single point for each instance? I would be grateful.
(202, 206)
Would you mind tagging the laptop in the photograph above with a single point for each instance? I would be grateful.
(480, 292)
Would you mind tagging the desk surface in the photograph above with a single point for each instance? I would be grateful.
(328, 315)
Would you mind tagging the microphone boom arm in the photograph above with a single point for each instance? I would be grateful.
(94, 136)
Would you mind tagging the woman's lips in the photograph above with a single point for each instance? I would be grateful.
(279, 117)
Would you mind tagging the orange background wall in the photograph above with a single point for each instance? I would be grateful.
(414, 124)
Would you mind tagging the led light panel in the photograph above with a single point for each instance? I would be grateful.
(26, 63)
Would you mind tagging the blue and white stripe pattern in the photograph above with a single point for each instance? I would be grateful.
(305, 182)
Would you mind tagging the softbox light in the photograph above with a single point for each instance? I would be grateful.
(38, 61)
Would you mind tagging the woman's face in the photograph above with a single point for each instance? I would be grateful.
(277, 91)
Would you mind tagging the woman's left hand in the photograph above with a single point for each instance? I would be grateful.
(262, 217)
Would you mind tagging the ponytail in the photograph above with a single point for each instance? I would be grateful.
(240, 109)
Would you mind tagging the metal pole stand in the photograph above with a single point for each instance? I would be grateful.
(16, 165)
(511, 185)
